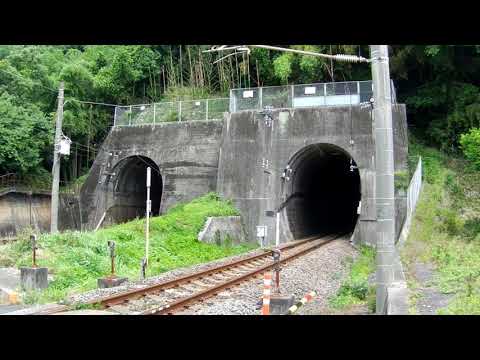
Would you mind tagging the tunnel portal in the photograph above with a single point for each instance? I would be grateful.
(130, 189)
(324, 192)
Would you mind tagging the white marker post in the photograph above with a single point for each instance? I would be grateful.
(277, 230)
(149, 205)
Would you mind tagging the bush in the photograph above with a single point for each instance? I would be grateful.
(450, 221)
(470, 144)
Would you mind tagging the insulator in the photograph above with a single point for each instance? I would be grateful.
(349, 58)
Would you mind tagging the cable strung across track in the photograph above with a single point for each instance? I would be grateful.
(169, 297)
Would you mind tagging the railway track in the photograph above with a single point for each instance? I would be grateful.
(175, 295)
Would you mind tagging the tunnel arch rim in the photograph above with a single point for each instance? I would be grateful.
(121, 176)
(298, 157)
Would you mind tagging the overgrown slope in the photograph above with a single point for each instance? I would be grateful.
(446, 228)
(77, 259)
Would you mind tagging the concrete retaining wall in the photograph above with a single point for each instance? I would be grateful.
(186, 153)
(16, 213)
(248, 142)
(242, 158)
(219, 229)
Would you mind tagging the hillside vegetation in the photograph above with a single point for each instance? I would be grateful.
(446, 228)
(77, 259)
(439, 84)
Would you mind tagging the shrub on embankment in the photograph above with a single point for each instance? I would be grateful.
(77, 259)
(446, 227)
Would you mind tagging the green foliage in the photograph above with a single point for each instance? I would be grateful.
(439, 83)
(283, 67)
(402, 180)
(446, 228)
(470, 143)
(21, 143)
(355, 289)
(78, 259)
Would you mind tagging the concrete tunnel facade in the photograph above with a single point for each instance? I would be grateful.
(324, 192)
(329, 187)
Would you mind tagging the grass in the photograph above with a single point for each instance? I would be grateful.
(446, 228)
(77, 259)
(355, 289)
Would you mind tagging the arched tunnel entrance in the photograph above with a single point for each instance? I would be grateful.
(323, 193)
(130, 189)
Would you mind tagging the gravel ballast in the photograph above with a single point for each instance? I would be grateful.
(321, 270)
(166, 276)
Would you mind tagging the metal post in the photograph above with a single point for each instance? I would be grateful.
(154, 113)
(293, 95)
(260, 95)
(56, 162)
(277, 229)
(130, 117)
(30, 206)
(179, 111)
(384, 162)
(276, 260)
(111, 246)
(206, 109)
(147, 229)
(33, 239)
(115, 116)
(325, 93)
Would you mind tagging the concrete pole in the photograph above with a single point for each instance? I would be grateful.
(384, 158)
(56, 162)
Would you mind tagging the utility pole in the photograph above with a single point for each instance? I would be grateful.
(56, 162)
(384, 163)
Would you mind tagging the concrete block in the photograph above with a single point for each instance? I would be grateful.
(33, 278)
(279, 304)
(218, 229)
(397, 300)
(110, 282)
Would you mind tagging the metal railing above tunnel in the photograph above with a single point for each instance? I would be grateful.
(304, 95)
(187, 110)
(259, 98)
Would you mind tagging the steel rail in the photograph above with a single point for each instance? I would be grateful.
(125, 296)
(212, 291)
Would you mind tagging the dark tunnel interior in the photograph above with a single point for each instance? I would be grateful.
(130, 189)
(324, 192)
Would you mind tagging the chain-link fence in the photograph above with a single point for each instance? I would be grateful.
(290, 96)
(305, 95)
(189, 110)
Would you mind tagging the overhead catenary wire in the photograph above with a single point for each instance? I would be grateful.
(337, 57)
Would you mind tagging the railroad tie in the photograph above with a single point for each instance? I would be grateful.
(267, 285)
(307, 298)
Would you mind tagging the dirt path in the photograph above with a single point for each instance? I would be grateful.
(429, 298)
